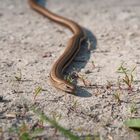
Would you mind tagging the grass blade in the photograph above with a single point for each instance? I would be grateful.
(64, 131)
(133, 123)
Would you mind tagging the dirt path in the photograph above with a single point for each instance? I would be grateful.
(29, 45)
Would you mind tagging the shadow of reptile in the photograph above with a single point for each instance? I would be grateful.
(82, 59)
(83, 55)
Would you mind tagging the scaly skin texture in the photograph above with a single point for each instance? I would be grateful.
(73, 46)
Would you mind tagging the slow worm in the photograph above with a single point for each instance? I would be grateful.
(56, 74)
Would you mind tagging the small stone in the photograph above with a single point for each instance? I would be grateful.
(1, 98)
(87, 72)
(47, 54)
(10, 115)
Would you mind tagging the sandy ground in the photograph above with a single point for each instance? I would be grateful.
(30, 44)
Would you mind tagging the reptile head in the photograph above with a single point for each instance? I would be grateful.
(67, 87)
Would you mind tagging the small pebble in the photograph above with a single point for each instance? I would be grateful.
(88, 71)
(10, 116)
(1, 98)
(47, 54)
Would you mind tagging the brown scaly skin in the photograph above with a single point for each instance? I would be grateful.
(73, 46)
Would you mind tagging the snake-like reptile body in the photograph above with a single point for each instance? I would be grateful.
(56, 73)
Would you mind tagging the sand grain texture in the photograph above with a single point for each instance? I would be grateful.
(30, 43)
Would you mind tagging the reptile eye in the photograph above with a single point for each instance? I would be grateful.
(68, 87)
